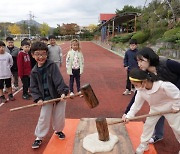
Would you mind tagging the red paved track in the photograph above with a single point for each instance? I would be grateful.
(104, 71)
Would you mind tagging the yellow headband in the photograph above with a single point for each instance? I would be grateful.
(133, 79)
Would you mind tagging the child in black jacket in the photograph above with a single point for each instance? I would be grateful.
(46, 82)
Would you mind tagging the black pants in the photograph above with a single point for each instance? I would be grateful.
(128, 82)
(26, 83)
(6, 82)
(76, 76)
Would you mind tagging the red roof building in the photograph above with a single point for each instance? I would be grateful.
(106, 17)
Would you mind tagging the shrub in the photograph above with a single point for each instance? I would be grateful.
(178, 38)
(125, 38)
(156, 34)
(122, 38)
(115, 39)
(141, 36)
(172, 35)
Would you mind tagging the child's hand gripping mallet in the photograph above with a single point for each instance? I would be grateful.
(86, 91)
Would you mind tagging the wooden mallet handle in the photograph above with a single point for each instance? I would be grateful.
(45, 102)
(143, 116)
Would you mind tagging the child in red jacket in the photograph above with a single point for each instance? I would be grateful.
(24, 68)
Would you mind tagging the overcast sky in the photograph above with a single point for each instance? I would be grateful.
(53, 12)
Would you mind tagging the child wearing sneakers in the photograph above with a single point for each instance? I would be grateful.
(74, 65)
(13, 50)
(46, 82)
(129, 63)
(24, 68)
(161, 96)
(6, 62)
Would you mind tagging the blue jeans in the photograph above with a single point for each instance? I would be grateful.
(159, 128)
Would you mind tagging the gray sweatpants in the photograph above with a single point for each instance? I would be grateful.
(54, 112)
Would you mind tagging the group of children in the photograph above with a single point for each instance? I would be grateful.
(155, 79)
(43, 80)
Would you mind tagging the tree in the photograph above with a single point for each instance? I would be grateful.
(57, 30)
(44, 29)
(69, 29)
(127, 9)
(14, 29)
(34, 30)
(24, 28)
(4, 28)
(174, 6)
(91, 28)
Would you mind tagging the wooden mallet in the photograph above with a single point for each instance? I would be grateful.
(143, 116)
(86, 91)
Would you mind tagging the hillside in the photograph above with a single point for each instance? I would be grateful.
(29, 22)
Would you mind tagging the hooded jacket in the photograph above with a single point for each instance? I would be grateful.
(55, 82)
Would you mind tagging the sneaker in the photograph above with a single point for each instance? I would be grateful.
(154, 139)
(133, 90)
(71, 94)
(3, 99)
(80, 94)
(127, 92)
(61, 135)
(36, 144)
(29, 95)
(26, 96)
(142, 147)
(11, 97)
(15, 88)
(5, 91)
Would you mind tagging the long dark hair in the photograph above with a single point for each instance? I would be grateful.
(149, 54)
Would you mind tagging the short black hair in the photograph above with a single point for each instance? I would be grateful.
(26, 39)
(2, 44)
(25, 42)
(139, 74)
(149, 54)
(43, 39)
(52, 37)
(133, 41)
(9, 38)
(38, 46)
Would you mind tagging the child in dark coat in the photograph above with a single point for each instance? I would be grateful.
(46, 82)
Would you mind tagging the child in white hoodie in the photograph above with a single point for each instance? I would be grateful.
(161, 96)
(6, 63)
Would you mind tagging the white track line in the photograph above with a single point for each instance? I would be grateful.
(66, 52)
(65, 48)
(2, 104)
(17, 91)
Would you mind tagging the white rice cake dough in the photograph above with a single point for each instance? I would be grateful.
(92, 143)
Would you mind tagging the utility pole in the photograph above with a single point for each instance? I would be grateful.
(31, 17)
(5, 35)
